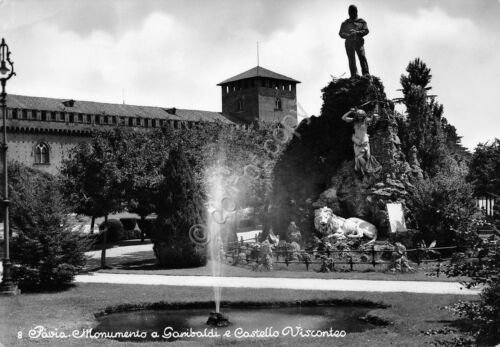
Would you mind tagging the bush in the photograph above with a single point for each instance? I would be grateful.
(115, 231)
(45, 253)
(444, 207)
(128, 223)
(484, 314)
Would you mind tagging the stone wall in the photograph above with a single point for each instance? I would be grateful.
(267, 110)
(22, 149)
(250, 100)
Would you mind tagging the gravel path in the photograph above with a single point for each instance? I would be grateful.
(282, 283)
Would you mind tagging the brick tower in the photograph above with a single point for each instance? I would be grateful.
(259, 94)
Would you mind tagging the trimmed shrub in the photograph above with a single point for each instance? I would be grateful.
(115, 231)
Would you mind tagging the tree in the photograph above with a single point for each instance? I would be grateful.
(442, 203)
(239, 150)
(252, 155)
(45, 251)
(425, 128)
(485, 168)
(179, 208)
(92, 181)
(454, 143)
(143, 153)
(418, 75)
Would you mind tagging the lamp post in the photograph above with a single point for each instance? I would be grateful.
(6, 72)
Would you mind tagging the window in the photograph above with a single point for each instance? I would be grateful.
(240, 105)
(14, 113)
(131, 122)
(42, 154)
(277, 104)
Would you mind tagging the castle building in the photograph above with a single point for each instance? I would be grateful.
(42, 131)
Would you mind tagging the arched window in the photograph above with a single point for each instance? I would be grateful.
(42, 154)
(277, 104)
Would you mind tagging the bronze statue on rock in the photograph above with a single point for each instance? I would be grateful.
(353, 30)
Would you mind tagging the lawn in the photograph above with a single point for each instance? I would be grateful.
(75, 308)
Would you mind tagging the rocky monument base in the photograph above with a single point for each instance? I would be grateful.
(318, 168)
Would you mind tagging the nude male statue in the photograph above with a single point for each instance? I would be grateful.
(353, 30)
(364, 162)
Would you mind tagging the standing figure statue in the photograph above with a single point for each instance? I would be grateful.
(353, 30)
(364, 162)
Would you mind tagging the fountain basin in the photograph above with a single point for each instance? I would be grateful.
(246, 323)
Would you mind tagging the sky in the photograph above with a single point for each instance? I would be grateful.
(173, 53)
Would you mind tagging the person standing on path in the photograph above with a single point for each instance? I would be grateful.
(353, 30)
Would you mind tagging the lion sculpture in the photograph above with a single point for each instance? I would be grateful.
(329, 225)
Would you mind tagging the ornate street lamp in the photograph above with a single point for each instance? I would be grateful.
(6, 72)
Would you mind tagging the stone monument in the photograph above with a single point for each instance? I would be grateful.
(328, 166)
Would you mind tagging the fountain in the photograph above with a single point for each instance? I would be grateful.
(219, 205)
